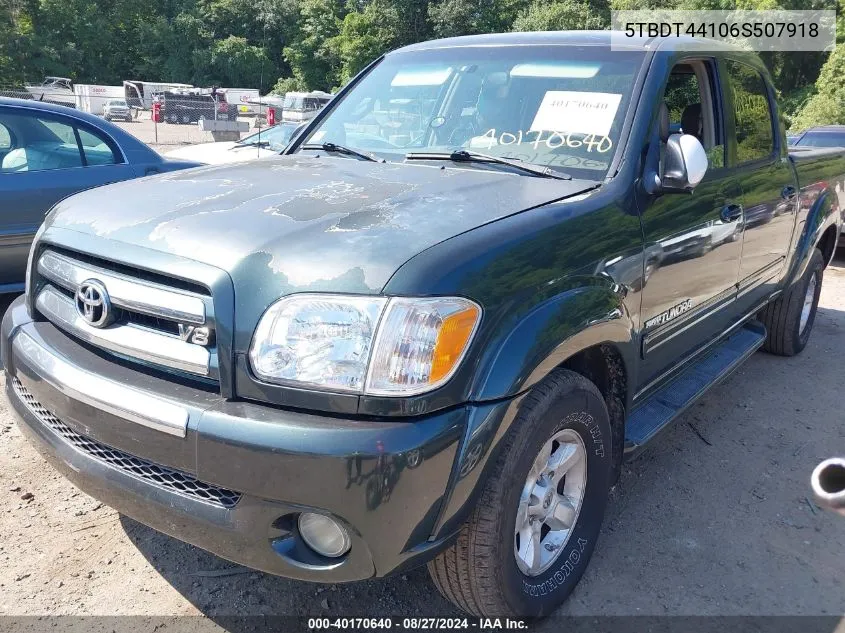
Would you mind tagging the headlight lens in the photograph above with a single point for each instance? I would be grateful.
(316, 340)
(374, 345)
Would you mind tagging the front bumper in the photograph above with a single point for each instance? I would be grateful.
(161, 452)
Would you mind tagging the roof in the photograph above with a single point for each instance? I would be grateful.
(572, 38)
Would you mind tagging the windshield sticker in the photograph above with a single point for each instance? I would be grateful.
(585, 112)
(421, 77)
(539, 139)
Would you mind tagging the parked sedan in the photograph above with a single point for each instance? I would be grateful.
(47, 153)
(117, 109)
(268, 142)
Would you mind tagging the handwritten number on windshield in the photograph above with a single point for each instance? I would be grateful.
(551, 139)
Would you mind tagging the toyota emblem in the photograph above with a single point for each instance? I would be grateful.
(93, 304)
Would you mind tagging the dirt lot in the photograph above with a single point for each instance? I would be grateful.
(713, 519)
(166, 137)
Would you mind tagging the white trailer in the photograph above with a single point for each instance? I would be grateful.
(139, 94)
(91, 98)
(241, 98)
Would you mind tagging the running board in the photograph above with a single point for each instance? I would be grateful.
(668, 402)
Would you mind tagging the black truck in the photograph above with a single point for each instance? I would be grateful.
(431, 331)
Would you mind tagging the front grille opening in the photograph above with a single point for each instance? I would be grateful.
(131, 271)
(161, 476)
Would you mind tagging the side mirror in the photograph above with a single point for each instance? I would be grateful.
(685, 163)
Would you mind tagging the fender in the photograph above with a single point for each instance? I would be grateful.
(591, 313)
(550, 333)
(823, 213)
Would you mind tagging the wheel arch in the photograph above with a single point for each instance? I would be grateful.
(827, 243)
(820, 231)
(602, 350)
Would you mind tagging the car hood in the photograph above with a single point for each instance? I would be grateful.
(306, 222)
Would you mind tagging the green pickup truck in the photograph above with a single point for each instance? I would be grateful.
(431, 331)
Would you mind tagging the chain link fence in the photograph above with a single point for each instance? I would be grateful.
(178, 121)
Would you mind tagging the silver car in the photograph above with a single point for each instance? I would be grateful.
(117, 109)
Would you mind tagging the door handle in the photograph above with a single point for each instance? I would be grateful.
(788, 192)
(731, 213)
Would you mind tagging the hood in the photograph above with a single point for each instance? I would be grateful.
(220, 153)
(306, 222)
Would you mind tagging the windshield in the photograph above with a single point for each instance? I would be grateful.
(277, 136)
(822, 139)
(117, 102)
(560, 107)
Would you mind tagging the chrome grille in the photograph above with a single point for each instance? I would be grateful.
(147, 315)
(161, 476)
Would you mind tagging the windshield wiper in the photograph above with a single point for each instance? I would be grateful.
(252, 144)
(464, 156)
(341, 149)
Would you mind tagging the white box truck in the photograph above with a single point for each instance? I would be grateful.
(91, 98)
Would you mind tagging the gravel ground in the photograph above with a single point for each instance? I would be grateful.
(713, 519)
(166, 137)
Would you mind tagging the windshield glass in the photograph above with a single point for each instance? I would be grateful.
(117, 102)
(560, 107)
(277, 136)
(822, 139)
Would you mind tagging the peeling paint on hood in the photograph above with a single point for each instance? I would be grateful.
(306, 222)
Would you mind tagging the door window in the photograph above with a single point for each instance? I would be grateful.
(96, 149)
(752, 113)
(42, 144)
(5, 139)
(689, 97)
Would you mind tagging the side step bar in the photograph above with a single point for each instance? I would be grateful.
(668, 402)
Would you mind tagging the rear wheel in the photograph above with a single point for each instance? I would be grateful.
(789, 319)
(529, 538)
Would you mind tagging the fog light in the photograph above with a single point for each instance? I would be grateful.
(324, 535)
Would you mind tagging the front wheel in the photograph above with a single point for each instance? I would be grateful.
(530, 537)
(789, 319)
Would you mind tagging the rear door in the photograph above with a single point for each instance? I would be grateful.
(757, 155)
(45, 157)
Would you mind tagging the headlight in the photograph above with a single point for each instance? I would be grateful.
(372, 345)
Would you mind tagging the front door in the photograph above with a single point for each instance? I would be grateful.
(696, 237)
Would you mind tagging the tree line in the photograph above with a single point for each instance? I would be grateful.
(286, 45)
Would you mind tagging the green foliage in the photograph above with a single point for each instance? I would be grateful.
(450, 18)
(562, 15)
(310, 55)
(288, 84)
(827, 105)
(235, 62)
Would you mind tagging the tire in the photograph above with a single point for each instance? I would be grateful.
(479, 572)
(782, 317)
